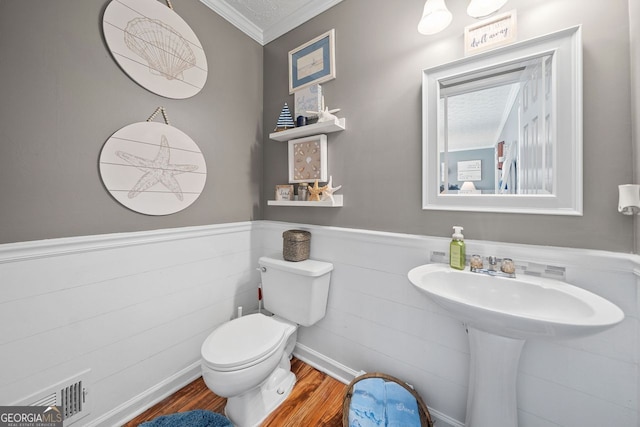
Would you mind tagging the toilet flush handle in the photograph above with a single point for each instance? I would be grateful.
(262, 269)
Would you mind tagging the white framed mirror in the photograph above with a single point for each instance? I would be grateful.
(502, 130)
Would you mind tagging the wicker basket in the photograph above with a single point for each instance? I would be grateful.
(296, 245)
(425, 417)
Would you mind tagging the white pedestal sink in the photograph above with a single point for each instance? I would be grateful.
(501, 314)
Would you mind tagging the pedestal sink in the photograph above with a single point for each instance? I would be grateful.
(501, 314)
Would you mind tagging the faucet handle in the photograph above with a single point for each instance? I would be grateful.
(508, 266)
(476, 262)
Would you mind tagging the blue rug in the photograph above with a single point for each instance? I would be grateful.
(197, 418)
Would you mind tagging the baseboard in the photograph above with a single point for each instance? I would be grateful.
(140, 403)
(344, 374)
(324, 364)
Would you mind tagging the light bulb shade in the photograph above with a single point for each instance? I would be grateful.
(482, 8)
(435, 17)
(629, 199)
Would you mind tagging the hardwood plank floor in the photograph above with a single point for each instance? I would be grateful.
(316, 400)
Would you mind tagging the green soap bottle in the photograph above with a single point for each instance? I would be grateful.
(457, 255)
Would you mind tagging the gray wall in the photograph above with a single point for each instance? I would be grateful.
(63, 96)
(379, 57)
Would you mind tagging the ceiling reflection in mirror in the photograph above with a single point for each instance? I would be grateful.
(506, 125)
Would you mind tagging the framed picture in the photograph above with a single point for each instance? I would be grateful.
(284, 192)
(313, 62)
(308, 159)
(309, 99)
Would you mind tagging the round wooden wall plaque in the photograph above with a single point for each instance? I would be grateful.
(153, 168)
(155, 47)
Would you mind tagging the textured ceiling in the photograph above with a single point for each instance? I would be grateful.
(476, 118)
(266, 20)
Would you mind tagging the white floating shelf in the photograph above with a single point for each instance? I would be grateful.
(321, 204)
(336, 125)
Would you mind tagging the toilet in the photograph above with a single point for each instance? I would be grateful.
(247, 360)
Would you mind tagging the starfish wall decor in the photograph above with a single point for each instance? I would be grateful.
(153, 168)
(158, 170)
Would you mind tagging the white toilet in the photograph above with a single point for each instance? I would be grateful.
(246, 359)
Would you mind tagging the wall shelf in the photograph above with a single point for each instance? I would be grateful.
(321, 204)
(336, 125)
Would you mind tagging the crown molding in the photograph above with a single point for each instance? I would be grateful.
(282, 26)
(237, 19)
(296, 19)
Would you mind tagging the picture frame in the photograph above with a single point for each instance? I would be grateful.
(308, 99)
(313, 62)
(308, 159)
(490, 33)
(284, 192)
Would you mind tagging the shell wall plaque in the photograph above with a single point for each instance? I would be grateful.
(155, 47)
(153, 168)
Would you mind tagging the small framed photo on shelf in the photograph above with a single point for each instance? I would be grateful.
(308, 159)
(308, 99)
(312, 63)
(284, 192)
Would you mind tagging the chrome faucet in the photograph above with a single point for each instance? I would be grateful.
(507, 268)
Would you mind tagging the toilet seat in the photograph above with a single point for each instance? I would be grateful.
(243, 342)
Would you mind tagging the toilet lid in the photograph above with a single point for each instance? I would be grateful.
(243, 342)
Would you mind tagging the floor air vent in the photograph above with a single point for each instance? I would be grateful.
(70, 395)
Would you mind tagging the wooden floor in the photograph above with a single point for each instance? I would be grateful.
(316, 400)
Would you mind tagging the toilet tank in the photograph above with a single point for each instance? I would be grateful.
(296, 291)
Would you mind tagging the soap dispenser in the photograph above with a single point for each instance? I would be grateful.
(457, 256)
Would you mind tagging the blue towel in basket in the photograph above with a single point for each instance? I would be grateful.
(402, 407)
(196, 418)
(367, 403)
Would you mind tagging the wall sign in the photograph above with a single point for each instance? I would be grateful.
(153, 168)
(155, 47)
(496, 31)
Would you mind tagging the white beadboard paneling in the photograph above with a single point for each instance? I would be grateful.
(376, 322)
(138, 306)
(40, 267)
(567, 408)
(133, 307)
(614, 382)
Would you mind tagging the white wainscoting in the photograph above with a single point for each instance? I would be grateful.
(133, 307)
(376, 321)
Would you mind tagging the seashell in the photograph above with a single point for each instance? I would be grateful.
(167, 53)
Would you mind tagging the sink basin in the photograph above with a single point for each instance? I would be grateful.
(500, 314)
(522, 307)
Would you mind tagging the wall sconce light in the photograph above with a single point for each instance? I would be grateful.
(436, 17)
(482, 8)
(629, 199)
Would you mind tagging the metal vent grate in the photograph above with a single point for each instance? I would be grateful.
(49, 400)
(72, 399)
(70, 395)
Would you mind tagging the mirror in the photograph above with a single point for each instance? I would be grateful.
(502, 130)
